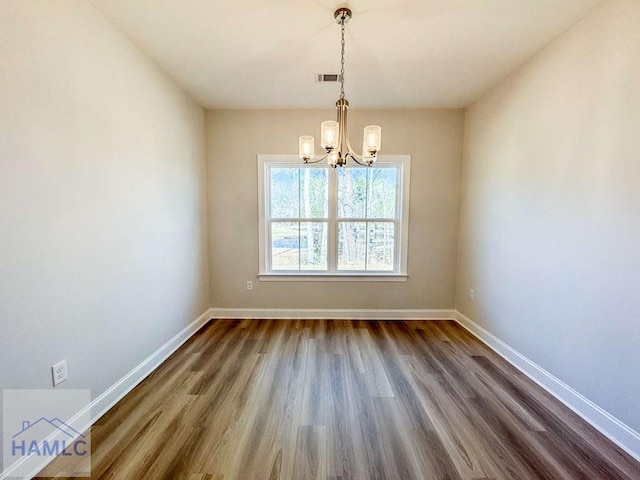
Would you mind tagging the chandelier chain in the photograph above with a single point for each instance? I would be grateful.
(342, 61)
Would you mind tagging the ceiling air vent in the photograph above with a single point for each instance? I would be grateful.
(328, 77)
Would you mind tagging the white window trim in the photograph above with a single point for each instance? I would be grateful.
(332, 276)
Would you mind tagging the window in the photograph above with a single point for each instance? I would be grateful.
(317, 222)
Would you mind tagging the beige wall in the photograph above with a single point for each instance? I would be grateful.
(550, 212)
(102, 199)
(434, 140)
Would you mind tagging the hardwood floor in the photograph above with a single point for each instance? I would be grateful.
(338, 400)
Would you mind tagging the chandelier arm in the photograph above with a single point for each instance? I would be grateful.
(344, 141)
(346, 133)
(309, 162)
(359, 159)
(355, 157)
(341, 122)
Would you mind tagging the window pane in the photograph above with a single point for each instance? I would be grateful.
(382, 193)
(381, 246)
(352, 192)
(313, 245)
(314, 192)
(351, 245)
(285, 191)
(285, 241)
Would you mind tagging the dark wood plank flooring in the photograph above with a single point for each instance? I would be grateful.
(339, 400)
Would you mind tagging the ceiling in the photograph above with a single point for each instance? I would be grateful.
(411, 53)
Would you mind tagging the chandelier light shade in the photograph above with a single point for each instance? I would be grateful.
(334, 136)
(306, 147)
(329, 131)
(371, 141)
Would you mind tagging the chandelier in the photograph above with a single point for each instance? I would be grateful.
(334, 136)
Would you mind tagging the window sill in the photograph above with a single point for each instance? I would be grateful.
(333, 277)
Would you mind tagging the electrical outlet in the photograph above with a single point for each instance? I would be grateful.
(249, 285)
(472, 294)
(59, 372)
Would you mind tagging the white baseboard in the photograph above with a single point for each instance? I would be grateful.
(101, 404)
(619, 433)
(117, 391)
(333, 314)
